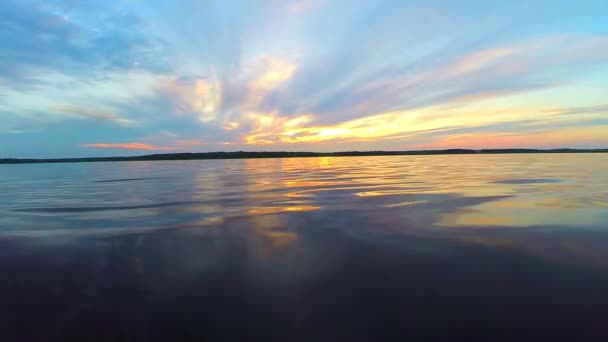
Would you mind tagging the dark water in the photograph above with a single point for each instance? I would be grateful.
(499, 247)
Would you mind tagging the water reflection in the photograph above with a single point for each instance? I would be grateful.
(298, 247)
(501, 191)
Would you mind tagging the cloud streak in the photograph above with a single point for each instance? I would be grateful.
(131, 146)
(88, 113)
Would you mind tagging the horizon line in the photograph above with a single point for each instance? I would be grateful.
(296, 154)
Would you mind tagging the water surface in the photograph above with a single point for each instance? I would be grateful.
(355, 248)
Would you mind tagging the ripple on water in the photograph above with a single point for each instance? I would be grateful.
(60, 210)
(528, 181)
(124, 180)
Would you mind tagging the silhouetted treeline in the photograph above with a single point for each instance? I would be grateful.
(244, 155)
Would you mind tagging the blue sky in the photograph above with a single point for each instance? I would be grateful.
(101, 78)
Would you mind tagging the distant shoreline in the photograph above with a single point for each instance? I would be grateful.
(256, 155)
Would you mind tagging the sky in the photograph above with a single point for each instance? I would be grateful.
(127, 77)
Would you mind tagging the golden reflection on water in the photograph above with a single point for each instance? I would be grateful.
(269, 203)
(443, 191)
(274, 210)
(403, 204)
(269, 234)
(523, 212)
(521, 190)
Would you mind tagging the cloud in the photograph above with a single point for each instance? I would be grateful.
(131, 146)
(234, 103)
(189, 143)
(299, 6)
(42, 37)
(438, 95)
(295, 74)
(599, 109)
(121, 98)
(437, 121)
(89, 113)
(201, 97)
(582, 137)
(474, 75)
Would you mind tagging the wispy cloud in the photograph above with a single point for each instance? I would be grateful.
(599, 109)
(420, 122)
(39, 37)
(582, 137)
(201, 97)
(299, 6)
(131, 146)
(89, 113)
(232, 103)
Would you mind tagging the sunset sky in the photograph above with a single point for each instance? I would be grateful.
(127, 77)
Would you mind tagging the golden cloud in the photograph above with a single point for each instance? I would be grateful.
(201, 96)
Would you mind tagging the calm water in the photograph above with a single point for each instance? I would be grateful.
(501, 246)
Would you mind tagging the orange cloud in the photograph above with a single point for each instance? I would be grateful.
(133, 146)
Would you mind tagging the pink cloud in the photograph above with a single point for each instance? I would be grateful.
(133, 146)
(593, 136)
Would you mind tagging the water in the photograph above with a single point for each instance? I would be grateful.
(356, 248)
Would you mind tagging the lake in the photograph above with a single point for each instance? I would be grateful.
(510, 246)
